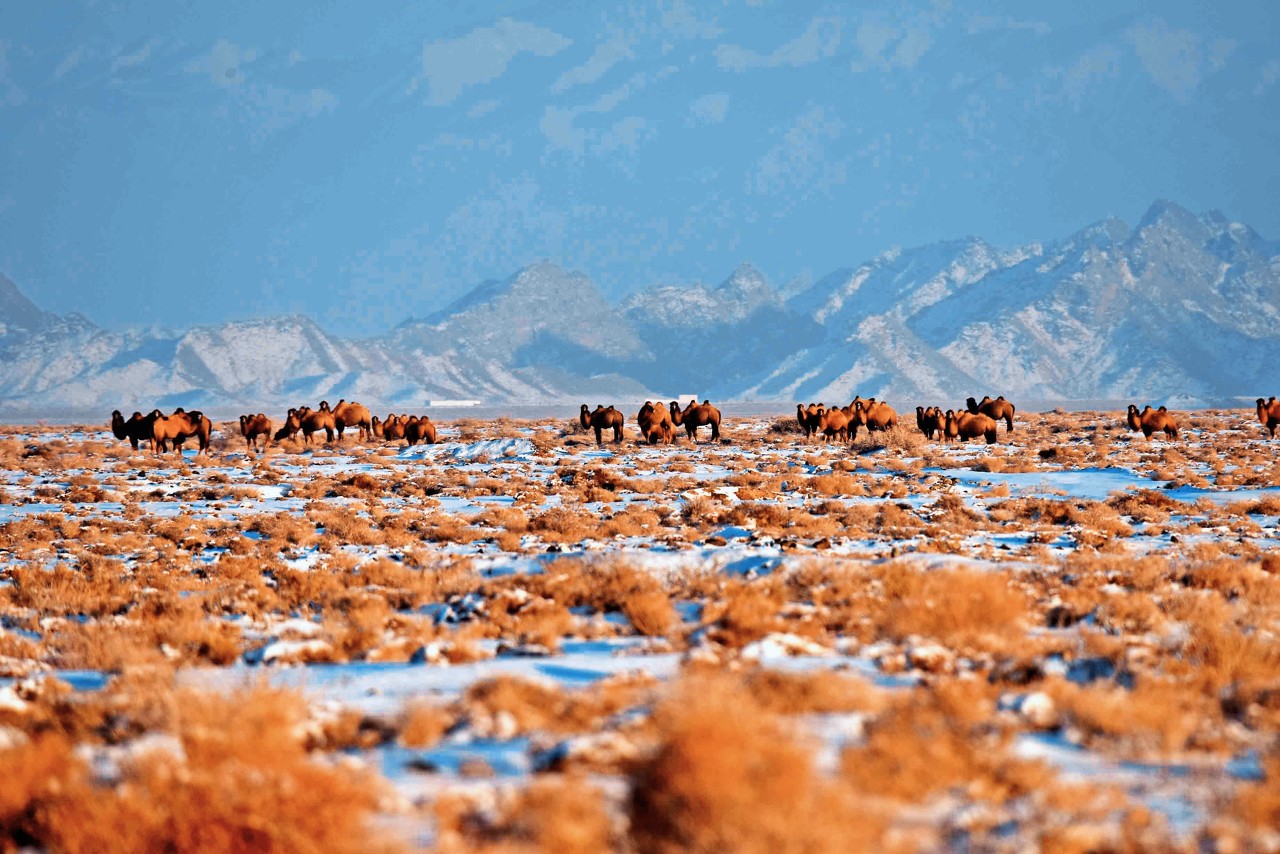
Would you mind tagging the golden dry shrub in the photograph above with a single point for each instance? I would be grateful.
(564, 815)
(935, 740)
(237, 778)
(728, 776)
(955, 606)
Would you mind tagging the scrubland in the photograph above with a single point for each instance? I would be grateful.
(518, 641)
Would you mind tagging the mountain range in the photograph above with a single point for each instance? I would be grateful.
(1178, 304)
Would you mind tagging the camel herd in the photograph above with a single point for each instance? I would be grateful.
(656, 422)
(161, 432)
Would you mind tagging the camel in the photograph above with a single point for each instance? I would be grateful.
(1152, 421)
(875, 416)
(654, 421)
(967, 425)
(998, 409)
(253, 426)
(835, 424)
(417, 430)
(696, 415)
(308, 421)
(930, 421)
(137, 429)
(602, 419)
(807, 418)
(351, 415)
(390, 429)
(1269, 414)
(179, 427)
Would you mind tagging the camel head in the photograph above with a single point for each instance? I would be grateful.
(583, 416)
(676, 415)
(324, 406)
(971, 404)
(1261, 403)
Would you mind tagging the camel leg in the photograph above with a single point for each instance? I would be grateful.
(715, 431)
(599, 436)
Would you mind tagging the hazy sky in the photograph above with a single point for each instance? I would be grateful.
(189, 162)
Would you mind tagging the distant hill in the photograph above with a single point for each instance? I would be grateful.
(1178, 304)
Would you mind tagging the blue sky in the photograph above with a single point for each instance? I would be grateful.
(190, 162)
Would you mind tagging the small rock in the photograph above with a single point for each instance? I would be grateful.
(931, 658)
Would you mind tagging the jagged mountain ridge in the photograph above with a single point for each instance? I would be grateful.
(1177, 304)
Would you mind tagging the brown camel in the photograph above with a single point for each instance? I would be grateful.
(999, 409)
(696, 415)
(836, 425)
(308, 421)
(137, 429)
(253, 426)
(654, 421)
(392, 428)
(417, 430)
(602, 419)
(967, 425)
(930, 421)
(1152, 421)
(1269, 414)
(179, 427)
(807, 417)
(874, 415)
(351, 415)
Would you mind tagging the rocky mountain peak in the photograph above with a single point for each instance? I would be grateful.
(19, 314)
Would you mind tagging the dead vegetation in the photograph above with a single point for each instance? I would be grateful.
(990, 606)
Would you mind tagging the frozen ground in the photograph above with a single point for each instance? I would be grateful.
(1066, 639)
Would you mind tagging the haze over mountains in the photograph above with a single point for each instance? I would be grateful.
(1178, 304)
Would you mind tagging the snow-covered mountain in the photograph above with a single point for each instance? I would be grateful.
(1178, 304)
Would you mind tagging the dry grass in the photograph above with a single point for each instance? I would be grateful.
(727, 776)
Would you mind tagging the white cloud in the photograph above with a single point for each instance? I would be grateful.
(680, 21)
(884, 45)
(800, 164)
(483, 108)
(264, 107)
(985, 23)
(914, 44)
(70, 62)
(626, 134)
(451, 66)
(11, 94)
(1219, 50)
(820, 40)
(1097, 64)
(1267, 77)
(223, 63)
(134, 58)
(710, 109)
(1173, 57)
(606, 55)
(270, 109)
(559, 124)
